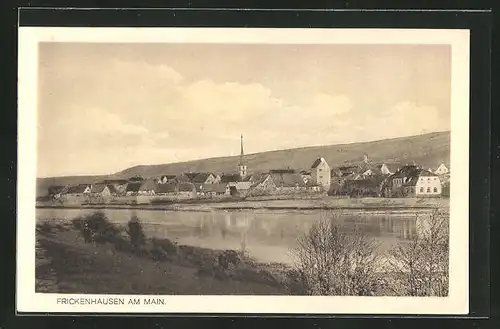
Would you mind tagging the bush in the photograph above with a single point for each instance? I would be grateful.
(420, 266)
(97, 228)
(229, 259)
(166, 245)
(329, 261)
(136, 233)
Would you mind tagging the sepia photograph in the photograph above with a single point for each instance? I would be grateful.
(241, 170)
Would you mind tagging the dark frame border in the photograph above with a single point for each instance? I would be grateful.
(479, 23)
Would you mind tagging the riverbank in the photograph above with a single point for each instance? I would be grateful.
(326, 203)
(68, 264)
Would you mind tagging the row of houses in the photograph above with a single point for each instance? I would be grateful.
(354, 179)
(388, 180)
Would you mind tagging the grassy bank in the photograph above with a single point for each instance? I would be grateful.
(67, 264)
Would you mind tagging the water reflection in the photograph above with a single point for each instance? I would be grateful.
(267, 235)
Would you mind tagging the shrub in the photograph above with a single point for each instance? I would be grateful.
(420, 266)
(97, 228)
(229, 258)
(329, 261)
(166, 245)
(136, 233)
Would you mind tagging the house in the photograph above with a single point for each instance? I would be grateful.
(264, 186)
(176, 190)
(442, 170)
(230, 178)
(186, 190)
(100, 190)
(343, 173)
(320, 173)
(116, 186)
(78, 190)
(205, 178)
(306, 176)
(249, 178)
(167, 189)
(164, 179)
(148, 187)
(288, 182)
(133, 188)
(55, 191)
(281, 184)
(215, 189)
(361, 188)
(182, 178)
(412, 180)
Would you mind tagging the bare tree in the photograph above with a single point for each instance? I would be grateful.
(330, 261)
(420, 266)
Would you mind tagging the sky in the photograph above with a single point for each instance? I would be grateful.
(105, 107)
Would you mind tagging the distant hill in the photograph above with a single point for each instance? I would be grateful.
(428, 150)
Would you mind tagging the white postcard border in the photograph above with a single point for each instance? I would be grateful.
(457, 301)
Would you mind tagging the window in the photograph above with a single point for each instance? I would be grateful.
(421, 190)
(320, 177)
(435, 190)
(428, 190)
(320, 169)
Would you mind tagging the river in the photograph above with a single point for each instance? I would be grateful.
(266, 235)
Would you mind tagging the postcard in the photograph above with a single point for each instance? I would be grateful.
(228, 170)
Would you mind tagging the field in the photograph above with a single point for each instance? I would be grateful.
(428, 150)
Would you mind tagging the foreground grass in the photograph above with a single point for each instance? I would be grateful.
(66, 264)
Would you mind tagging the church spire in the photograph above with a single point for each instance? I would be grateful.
(242, 168)
(242, 153)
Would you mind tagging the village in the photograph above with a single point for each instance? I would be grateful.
(356, 179)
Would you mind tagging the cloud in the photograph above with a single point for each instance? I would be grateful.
(405, 119)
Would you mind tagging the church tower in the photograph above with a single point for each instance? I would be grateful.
(242, 168)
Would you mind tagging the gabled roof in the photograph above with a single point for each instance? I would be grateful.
(77, 189)
(115, 181)
(55, 189)
(112, 189)
(98, 188)
(133, 187)
(248, 178)
(412, 173)
(216, 188)
(182, 178)
(148, 185)
(287, 180)
(261, 180)
(191, 175)
(168, 176)
(282, 171)
(230, 178)
(166, 188)
(201, 177)
(317, 162)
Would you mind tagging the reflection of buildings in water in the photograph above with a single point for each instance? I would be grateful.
(158, 231)
(243, 241)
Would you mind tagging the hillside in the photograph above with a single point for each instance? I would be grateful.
(429, 150)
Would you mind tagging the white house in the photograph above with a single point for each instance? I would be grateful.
(320, 173)
(442, 169)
